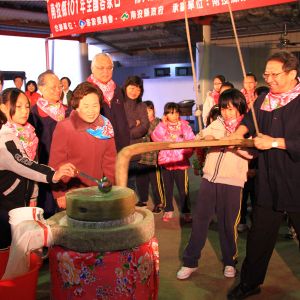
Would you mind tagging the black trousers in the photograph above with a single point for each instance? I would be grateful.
(180, 177)
(261, 242)
(46, 201)
(5, 233)
(223, 200)
(150, 174)
(248, 190)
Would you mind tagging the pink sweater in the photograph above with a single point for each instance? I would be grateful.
(177, 159)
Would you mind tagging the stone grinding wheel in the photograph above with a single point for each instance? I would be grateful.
(103, 239)
(88, 204)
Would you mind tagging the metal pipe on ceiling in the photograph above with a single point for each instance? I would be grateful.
(28, 16)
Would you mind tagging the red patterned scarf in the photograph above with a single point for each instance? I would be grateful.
(54, 110)
(26, 135)
(108, 89)
(274, 101)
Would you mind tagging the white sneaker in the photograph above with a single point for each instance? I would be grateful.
(229, 271)
(185, 272)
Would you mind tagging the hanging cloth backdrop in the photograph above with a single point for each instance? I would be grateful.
(68, 17)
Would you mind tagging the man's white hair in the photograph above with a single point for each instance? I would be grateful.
(101, 55)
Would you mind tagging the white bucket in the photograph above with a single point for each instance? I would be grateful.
(21, 214)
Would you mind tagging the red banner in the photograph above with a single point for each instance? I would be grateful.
(68, 17)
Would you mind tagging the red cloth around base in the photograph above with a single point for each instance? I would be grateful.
(128, 274)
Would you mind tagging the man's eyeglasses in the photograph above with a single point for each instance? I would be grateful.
(272, 75)
(104, 68)
(55, 87)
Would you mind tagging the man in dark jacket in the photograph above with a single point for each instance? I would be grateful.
(44, 116)
(278, 186)
(113, 105)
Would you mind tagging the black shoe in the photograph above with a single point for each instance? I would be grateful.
(242, 291)
(141, 204)
(157, 209)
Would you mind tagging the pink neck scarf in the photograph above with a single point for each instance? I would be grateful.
(231, 125)
(26, 135)
(215, 95)
(274, 101)
(108, 89)
(54, 110)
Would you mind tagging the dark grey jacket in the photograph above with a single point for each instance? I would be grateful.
(117, 116)
(136, 111)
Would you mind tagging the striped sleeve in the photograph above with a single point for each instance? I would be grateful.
(13, 160)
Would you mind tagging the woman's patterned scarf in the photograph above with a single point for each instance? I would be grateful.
(103, 132)
(274, 101)
(26, 135)
(54, 110)
(108, 89)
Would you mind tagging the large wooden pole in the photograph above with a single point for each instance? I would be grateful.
(126, 153)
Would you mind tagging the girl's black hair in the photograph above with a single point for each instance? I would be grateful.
(149, 104)
(227, 84)
(1, 78)
(236, 98)
(171, 107)
(136, 81)
(220, 77)
(31, 82)
(213, 114)
(3, 119)
(10, 96)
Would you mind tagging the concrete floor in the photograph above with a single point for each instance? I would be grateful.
(282, 281)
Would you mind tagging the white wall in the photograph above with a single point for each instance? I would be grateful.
(163, 90)
(66, 60)
(29, 55)
(22, 54)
